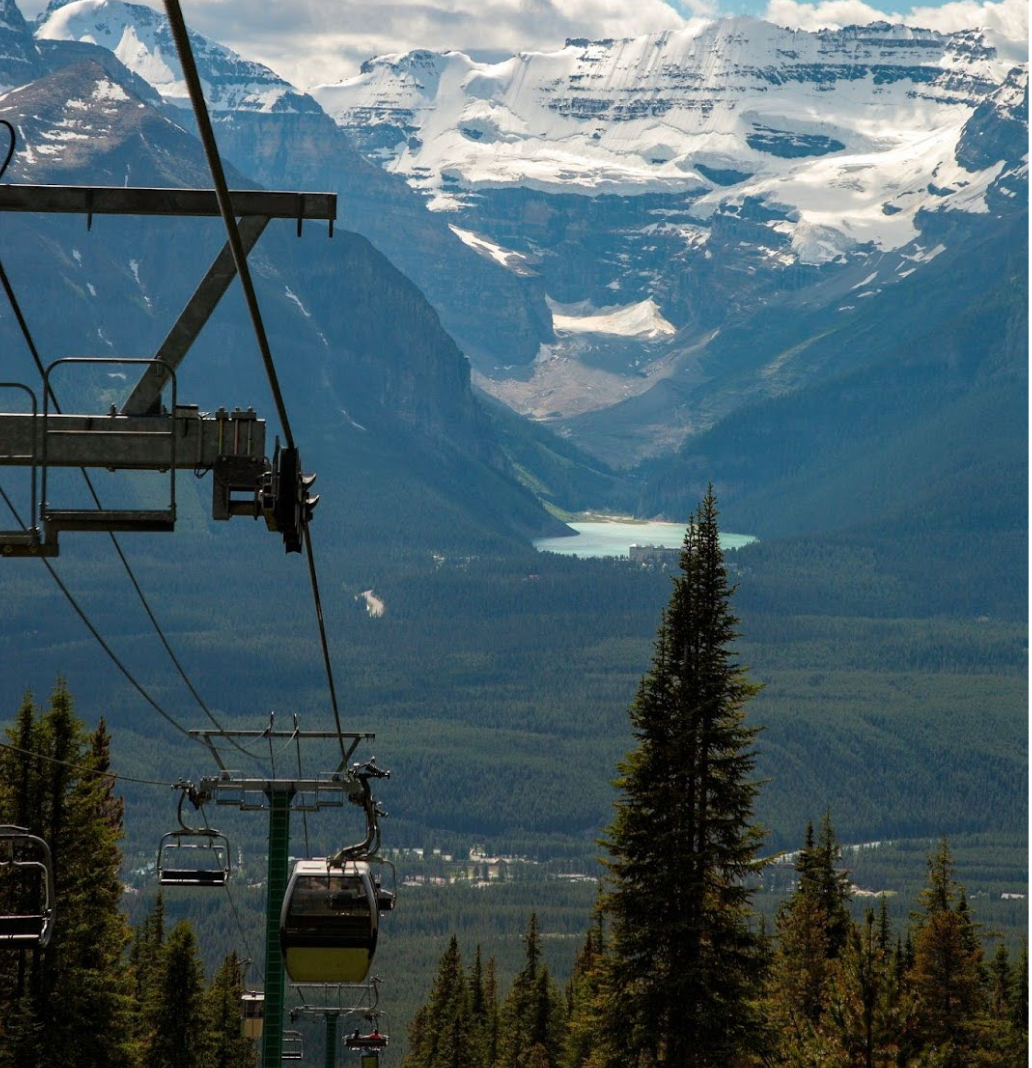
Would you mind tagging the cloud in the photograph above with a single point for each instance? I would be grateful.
(313, 41)
(310, 42)
(1006, 21)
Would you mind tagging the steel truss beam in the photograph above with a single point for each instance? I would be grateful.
(134, 442)
(117, 200)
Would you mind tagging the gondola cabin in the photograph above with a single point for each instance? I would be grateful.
(328, 924)
(27, 891)
(252, 1014)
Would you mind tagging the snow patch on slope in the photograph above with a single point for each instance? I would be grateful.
(642, 320)
(504, 256)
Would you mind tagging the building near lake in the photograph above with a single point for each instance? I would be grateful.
(656, 555)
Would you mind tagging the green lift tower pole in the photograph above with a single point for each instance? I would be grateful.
(330, 1059)
(280, 796)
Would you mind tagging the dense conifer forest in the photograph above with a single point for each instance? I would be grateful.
(549, 959)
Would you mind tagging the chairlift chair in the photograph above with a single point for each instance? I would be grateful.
(27, 857)
(329, 922)
(371, 1041)
(293, 1046)
(193, 856)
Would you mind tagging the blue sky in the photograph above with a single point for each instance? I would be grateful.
(317, 41)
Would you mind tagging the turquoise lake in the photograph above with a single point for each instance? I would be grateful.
(614, 537)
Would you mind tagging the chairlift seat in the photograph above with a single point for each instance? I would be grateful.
(28, 856)
(192, 877)
(23, 930)
(193, 858)
(293, 1046)
(371, 1041)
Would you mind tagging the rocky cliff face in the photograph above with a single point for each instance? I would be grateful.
(22, 61)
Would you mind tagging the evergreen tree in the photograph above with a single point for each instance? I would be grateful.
(812, 928)
(56, 784)
(532, 1027)
(440, 1036)
(179, 1034)
(229, 1049)
(827, 885)
(492, 1025)
(585, 1034)
(946, 974)
(483, 1011)
(1000, 981)
(862, 1015)
(1019, 994)
(686, 965)
(145, 959)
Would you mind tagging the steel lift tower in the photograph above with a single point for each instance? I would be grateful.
(278, 797)
(145, 435)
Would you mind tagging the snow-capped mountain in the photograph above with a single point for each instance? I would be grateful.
(735, 102)
(620, 230)
(21, 57)
(845, 128)
(709, 171)
(140, 37)
(281, 137)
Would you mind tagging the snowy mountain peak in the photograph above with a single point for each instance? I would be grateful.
(20, 61)
(840, 132)
(140, 37)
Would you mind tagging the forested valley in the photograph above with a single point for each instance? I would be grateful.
(488, 827)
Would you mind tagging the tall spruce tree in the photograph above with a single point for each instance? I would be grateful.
(229, 1049)
(585, 1034)
(685, 962)
(55, 782)
(532, 1030)
(180, 1036)
(946, 973)
(440, 1036)
(863, 1017)
(812, 928)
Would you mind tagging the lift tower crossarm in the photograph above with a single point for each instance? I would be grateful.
(141, 443)
(119, 200)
